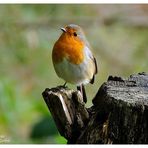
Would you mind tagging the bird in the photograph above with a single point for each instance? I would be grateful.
(73, 59)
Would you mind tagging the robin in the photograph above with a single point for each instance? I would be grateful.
(72, 58)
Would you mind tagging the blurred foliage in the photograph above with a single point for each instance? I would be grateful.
(45, 130)
(118, 35)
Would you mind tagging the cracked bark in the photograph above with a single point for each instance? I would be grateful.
(119, 113)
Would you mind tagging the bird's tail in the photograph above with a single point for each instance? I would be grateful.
(81, 88)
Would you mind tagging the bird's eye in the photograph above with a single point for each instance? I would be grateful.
(75, 34)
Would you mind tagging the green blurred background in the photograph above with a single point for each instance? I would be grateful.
(117, 33)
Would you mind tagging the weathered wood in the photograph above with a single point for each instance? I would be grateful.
(119, 113)
(68, 111)
(126, 102)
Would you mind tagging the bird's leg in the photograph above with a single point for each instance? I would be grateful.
(84, 94)
(64, 85)
(79, 88)
(82, 90)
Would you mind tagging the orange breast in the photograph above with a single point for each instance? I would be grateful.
(68, 48)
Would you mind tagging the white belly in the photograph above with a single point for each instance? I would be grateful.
(75, 74)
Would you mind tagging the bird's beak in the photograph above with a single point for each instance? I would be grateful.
(63, 29)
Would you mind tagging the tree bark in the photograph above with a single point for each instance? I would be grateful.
(119, 113)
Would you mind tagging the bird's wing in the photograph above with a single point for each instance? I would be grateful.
(96, 67)
(90, 55)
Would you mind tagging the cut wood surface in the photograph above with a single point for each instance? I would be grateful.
(119, 113)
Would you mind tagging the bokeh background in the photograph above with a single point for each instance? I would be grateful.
(118, 35)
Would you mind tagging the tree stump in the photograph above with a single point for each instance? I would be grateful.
(119, 114)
